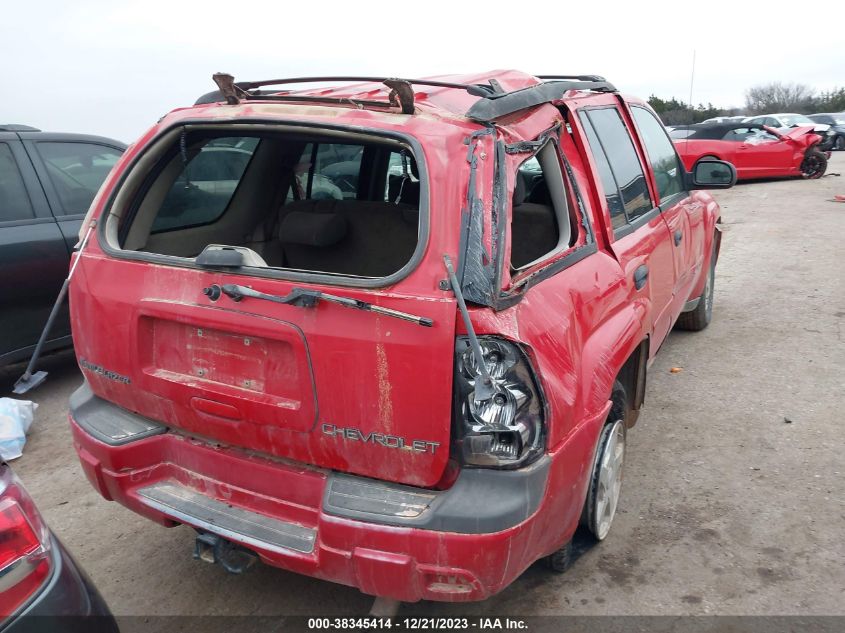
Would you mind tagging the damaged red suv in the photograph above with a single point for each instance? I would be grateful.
(390, 334)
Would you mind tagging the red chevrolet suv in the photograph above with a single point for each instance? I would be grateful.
(389, 334)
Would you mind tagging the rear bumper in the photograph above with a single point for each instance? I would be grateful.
(463, 544)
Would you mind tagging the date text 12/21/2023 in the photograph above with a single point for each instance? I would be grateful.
(418, 623)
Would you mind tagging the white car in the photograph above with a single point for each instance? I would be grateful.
(724, 119)
(784, 121)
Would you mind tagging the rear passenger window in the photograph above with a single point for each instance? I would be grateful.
(608, 182)
(76, 171)
(614, 140)
(541, 220)
(668, 173)
(14, 200)
(208, 180)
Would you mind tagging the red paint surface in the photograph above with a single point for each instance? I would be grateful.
(329, 365)
(767, 159)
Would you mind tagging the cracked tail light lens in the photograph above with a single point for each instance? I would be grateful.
(24, 545)
(505, 430)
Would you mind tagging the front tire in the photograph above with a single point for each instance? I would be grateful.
(814, 164)
(699, 318)
(840, 143)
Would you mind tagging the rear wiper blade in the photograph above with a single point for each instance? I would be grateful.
(305, 298)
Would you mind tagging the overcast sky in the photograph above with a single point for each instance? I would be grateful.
(113, 68)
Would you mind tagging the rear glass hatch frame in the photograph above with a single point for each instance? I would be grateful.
(107, 229)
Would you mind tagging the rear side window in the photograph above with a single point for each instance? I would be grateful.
(661, 154)
(14, 200)
(76, 171)
(614, 140)
(209, 177)
(541, 220)
(737, 134)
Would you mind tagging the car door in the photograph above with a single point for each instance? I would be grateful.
(33, 256)
(71, 169)
(639, 237)
(762, 153)
(684, 216)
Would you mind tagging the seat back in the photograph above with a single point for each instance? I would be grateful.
(378, 238)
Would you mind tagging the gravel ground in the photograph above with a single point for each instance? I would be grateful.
(733, 501)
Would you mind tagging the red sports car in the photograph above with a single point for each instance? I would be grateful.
(755, 150)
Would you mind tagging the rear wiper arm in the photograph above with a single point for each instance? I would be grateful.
(305, 298)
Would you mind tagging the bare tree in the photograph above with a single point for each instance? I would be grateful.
(779, 97)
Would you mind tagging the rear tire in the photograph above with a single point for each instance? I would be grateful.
(597, 516)
(840, 143)
(606, 478)
(699, 318)
(561, 560)
(814, 164)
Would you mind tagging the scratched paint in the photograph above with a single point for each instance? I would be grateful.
(577, 327)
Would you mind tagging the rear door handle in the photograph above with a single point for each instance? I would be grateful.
(640, 276)
(678, 236)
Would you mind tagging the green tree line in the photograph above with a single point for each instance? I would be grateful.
(762, 99)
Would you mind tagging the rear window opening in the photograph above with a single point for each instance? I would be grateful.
(542, 222)
(300, 201)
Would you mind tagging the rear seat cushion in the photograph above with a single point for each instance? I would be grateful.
(312, 229)
(378, 238)
(534, 230)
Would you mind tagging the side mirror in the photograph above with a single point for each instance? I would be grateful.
(713, 174)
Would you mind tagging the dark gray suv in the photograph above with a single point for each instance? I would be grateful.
(47, 182)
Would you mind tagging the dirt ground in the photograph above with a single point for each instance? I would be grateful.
(733, 501)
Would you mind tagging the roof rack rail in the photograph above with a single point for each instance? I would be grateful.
(401, 93)
(494, 102)
(490, 108)
(576, 77)
(17, 127)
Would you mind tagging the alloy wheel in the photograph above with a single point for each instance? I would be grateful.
(609, 482)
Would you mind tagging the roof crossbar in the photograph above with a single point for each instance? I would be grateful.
(488, 109)
(401, 93)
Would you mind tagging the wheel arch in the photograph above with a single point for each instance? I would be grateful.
(632, 377)
(617, 350)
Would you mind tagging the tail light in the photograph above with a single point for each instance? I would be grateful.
(502, 427)
(24, 545)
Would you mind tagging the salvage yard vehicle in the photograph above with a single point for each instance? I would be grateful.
(836, 121)
(47, 182)
(417, 388)
(784, 122)
(42, 588)
(755, 150)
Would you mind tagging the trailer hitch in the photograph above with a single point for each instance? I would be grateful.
(212, 548)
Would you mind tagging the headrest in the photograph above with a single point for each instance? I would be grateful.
(519, 189)
(312, 229)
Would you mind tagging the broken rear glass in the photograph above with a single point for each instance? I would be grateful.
(300, 201)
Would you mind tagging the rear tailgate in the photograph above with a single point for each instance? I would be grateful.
(330, 386)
